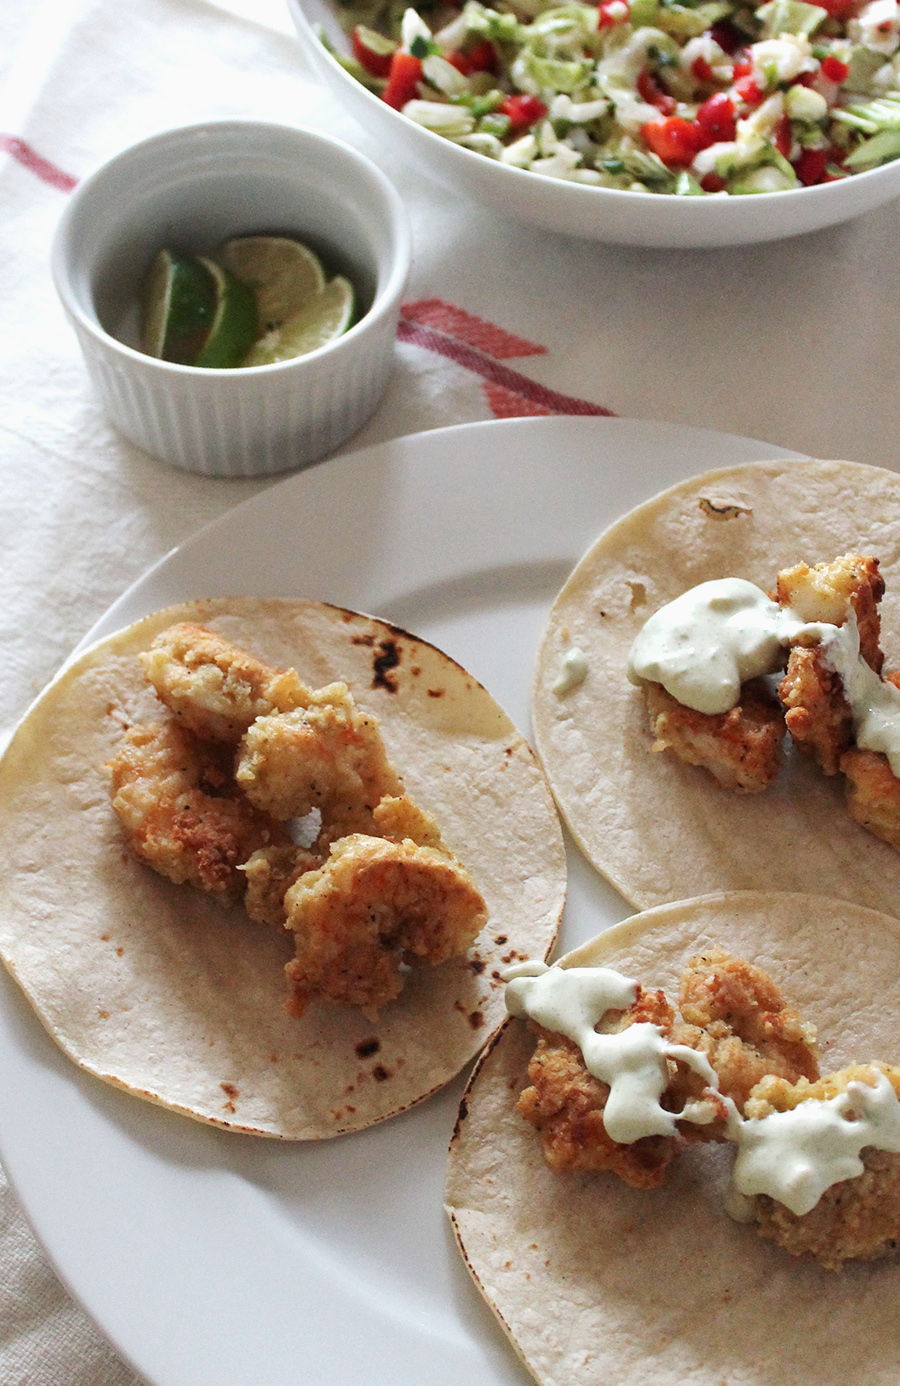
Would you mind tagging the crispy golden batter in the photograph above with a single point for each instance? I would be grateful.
(740, 748)
(566, 1103)
(857, 1219)
(829, 591)
(873, 793)
(735, 1014)
(180, 810)
(373, 904)
(327, 755)
(398, 818)
(818, 715)
(214, 687)
(269, 873)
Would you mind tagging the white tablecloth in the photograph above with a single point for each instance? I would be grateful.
(794, 342)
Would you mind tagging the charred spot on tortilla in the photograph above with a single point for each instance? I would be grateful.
(722, 508)
(384, 662)
(367, 1047)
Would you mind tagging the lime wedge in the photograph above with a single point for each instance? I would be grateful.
(283, 273)
(316, 324)
(234, 326)
(178, 307)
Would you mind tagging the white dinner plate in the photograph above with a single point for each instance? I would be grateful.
(213, 1259)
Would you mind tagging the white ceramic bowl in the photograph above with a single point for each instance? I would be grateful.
(192, 188)
(602, 214)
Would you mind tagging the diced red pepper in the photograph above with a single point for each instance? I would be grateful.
(810, 167)
(650, 91)
(834, 69)
(742, 68)
(783, 138)
(713, 183)
(717, 119)
(403, 80)
(674, 140)
(376, 64)
(613, 12)
(838, 9)
(523, 111)
(482, 57)
(748, 91)
(702, 70)
(726, 36)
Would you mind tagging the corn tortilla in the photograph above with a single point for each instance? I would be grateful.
(598, 1284)
(158, 989)
(657, 828)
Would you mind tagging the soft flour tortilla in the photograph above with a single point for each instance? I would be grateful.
(657, 828)
(158, 989)
(601, 1285)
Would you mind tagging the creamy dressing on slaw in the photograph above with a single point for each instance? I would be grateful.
(703, 645)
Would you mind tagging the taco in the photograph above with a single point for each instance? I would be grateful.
(661, 829)
(176, 994)
(596, 1280)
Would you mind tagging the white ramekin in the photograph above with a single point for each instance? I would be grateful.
(191, 189)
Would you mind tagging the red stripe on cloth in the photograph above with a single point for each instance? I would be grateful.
(510, 404)
(473, 360)
(465, 327)
(29, 158)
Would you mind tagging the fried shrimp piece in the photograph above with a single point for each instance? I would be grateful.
(740, 748)
(214, 687)
(856, 1219)
(327, 755)
(830, 591)
(370, 907)
(269, 873)
(566, 1102)
(873, 793)
(735, 1014)
(817, 713)
(398, 818)
(181, 811)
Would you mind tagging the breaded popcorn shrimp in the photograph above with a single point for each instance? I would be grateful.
(370, 907)
(327, 755)
(855, 1219)
(740, 748)
(566, 1103)
(830, 591)
(214, 687)
(817, 713)
(873, 793)
(180, 811)
(735, 1014)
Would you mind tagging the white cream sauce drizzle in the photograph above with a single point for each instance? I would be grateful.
(702, 646)
(573, 670)
(791, 1156)
(795, 1156)
(571, 1001)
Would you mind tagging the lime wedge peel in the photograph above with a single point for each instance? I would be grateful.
(234, 328)
(178, 308)
(284, 274)
(320, 321)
